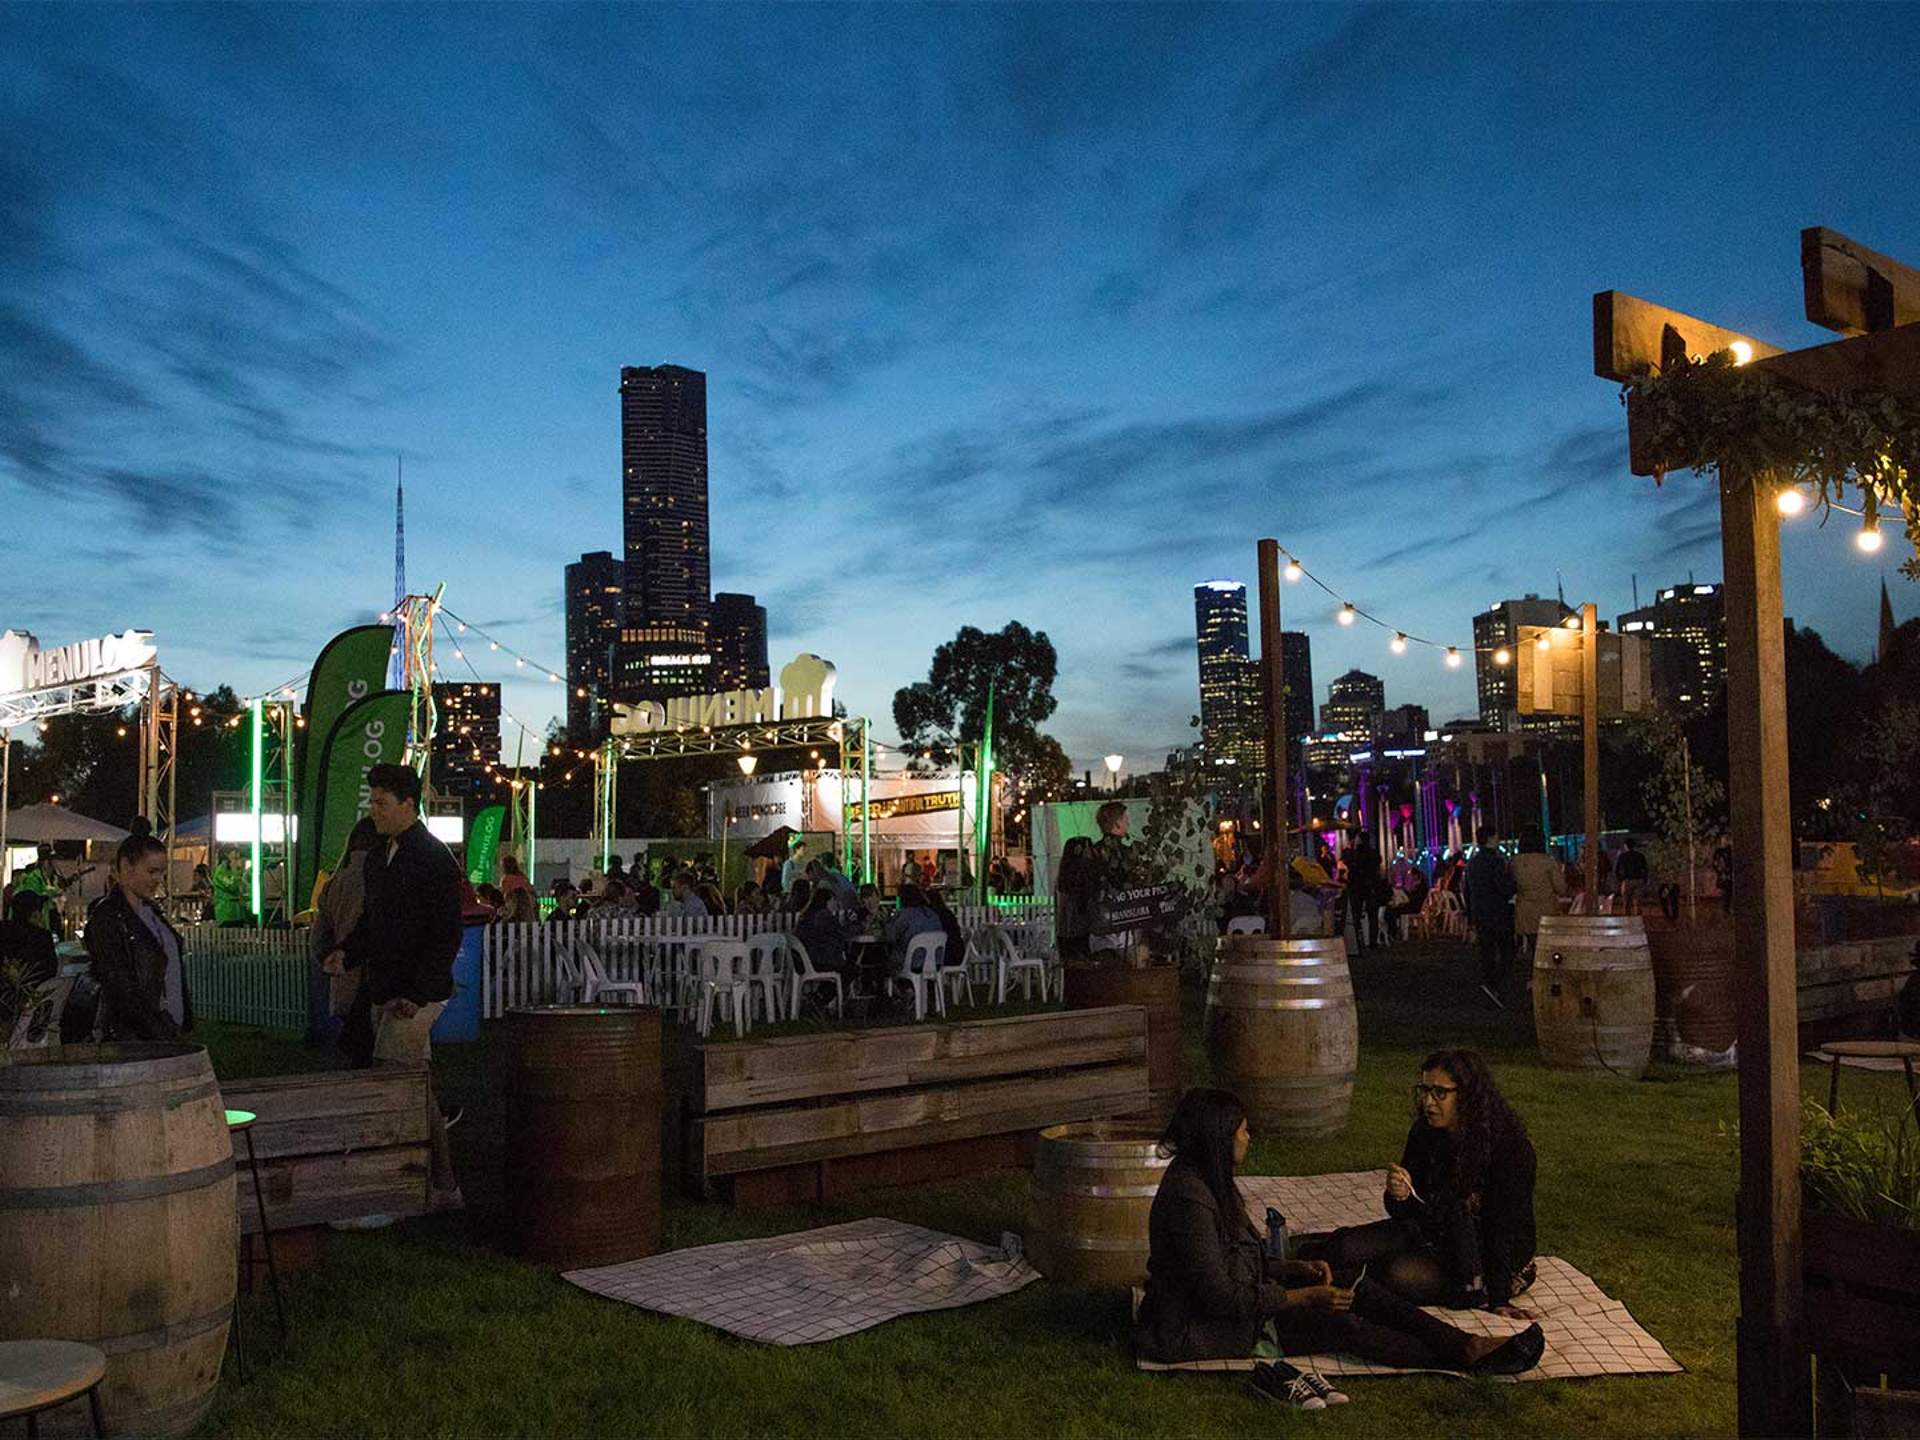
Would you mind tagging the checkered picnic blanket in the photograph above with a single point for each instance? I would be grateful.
(816, 1285)
(1587, 1333)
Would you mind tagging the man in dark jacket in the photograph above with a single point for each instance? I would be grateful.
(406, 940)
(1490, 892)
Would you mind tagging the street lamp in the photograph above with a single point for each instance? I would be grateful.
(747, 763)
(1113, 771)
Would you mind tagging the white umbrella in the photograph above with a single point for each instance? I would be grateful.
(47, 824)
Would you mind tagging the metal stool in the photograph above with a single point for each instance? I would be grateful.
(1905, 1051)
(37, 1375)
(241, 1121)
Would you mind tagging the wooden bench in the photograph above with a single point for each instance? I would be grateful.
(807, 1116)
(1847, 991)
(334, 1145)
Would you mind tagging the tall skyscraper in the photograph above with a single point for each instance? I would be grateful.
(1296, 658)
(1220, 631)
(665, 630)
(1686, 627)
(739, 643)
(1354, 703)
(466, 738)
(1495, 629)
(596, 591)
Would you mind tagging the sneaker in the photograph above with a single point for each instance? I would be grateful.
(450, 1199)
(1494, 996)
(453, 1117)
(1317, 1383)
(1280, 1381)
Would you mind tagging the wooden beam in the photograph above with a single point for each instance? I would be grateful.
(1773, 1384)
(1852, 289)
(1888, 360)
(1590, 746)
(1631, 335)
(1273, 671)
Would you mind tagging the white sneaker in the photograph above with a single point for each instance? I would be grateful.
(1280, 1381)
(1318, 1383)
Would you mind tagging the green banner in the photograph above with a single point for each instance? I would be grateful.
(483, 844)
(350, 667)
(369, 732)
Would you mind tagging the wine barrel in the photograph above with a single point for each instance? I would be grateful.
(1593, 993)
(583, 1133)
(1693, 984)
(1157, 989)
(1282, 1031)
(117, 1223)
(1093, 1188)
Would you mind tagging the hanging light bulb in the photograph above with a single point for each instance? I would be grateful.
(1545, 642)
(1503, 656)
(1398, 645)
(1790, 501)
(1453, 657)
(1869, 540)
(1292, 572)
(1347, 612)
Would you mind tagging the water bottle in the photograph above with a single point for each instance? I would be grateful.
(1276, 1234)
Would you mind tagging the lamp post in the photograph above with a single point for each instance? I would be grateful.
(1114, 763)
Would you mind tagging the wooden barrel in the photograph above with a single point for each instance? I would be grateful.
(583, 1133)
(1693, 984)
(1593, 993)
(117, 1223)
(1157, 988)
(1093, 1188)
(1282, 1031)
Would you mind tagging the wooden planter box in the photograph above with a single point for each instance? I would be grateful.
(807, 1116)
(1862, 1297)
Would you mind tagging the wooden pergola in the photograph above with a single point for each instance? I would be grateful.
(1875, 302)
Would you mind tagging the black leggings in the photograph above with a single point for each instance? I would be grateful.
(1398, 1255)
(1381, 1326)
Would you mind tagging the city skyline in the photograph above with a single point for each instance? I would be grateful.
(1208, 303)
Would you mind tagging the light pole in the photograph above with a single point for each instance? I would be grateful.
(1114, 763)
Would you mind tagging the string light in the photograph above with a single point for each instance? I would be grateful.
(1347, 614)
(1453, 657)
(1790, 501)
(1398, 645)
(1869, 540)
(1503, 656)
(1545, 642)
(1293, 571)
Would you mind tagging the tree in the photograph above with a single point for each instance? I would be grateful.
(948, 709)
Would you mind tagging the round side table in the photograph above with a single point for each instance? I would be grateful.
(37, 1375)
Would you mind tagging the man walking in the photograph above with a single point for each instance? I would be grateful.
(405, 943)
(1630, 875)
(1490, 892)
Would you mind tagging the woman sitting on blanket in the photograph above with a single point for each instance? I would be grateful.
(1212, 1288)
(1459, 1204)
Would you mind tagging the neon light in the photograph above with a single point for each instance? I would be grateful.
(256, 798)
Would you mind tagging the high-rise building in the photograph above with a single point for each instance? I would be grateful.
(466, 738)
(1220, 636)
(1495, 629)
(1296, 660)
(1404, 722)
(739, 643)
(1354, 704)
(1686, 627)
(664, 634)
(596, 590)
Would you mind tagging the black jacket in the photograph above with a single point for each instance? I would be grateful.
(1500, 1207)
(130, 967)
(1208, 1294)
(410, 930)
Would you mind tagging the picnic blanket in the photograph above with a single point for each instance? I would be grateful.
(815, 1285)
(1587, 1333)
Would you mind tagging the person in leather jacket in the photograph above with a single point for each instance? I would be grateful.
(136, 956)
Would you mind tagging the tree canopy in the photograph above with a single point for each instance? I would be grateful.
(949, 707)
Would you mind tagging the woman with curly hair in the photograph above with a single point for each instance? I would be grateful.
(1459, 1228)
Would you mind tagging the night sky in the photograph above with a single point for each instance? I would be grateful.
(1009, 312)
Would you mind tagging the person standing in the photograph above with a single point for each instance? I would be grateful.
(1539, 884)
(1490, 891)
(1113, 869)
(232, 893)
(336, 913)
(1363, 886)
(135, 955)
(43, 878)
(1073, 888)
(1629, 878)
(405, 944)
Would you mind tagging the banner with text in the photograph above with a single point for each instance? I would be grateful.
(483, 844)
(369, 732)
(350, 667)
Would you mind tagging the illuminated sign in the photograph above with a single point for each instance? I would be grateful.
(679, 659)
(922, 803)
(25, 666)
(805, 691)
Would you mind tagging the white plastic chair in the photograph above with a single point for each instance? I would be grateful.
(802, 974)
(569, 983)
(1009, 960)
(720, 969)
(1247, 925)
(769, 963)
(958, 977)
(926, 955)
(596, 988)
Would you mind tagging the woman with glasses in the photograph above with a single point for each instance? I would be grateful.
(1459, 1227)
(1212, 1288)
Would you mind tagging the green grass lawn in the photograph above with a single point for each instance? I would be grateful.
(428, 1328)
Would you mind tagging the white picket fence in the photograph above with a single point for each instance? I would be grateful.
(247, 976)
(521, 964)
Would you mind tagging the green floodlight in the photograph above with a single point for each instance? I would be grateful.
(256, 797)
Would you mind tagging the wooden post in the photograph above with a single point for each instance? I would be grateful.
(1273, 674)
(1590, 745)
(1774, 1390)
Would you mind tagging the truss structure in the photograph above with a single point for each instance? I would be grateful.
(105, 692)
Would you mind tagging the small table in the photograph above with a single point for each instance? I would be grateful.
(242, 1122)
(1905, 1051)
(37, 1375)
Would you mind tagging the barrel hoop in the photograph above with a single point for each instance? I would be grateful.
(1079, 1160)
(1279, 1004)
(90, 1074)
(1317, 1081)
(1076, 1242)
(1105, 1192)
(108, 1192)
(164, 1334)
(104, 1102)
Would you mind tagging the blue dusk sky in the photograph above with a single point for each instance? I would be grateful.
(1009, 312)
